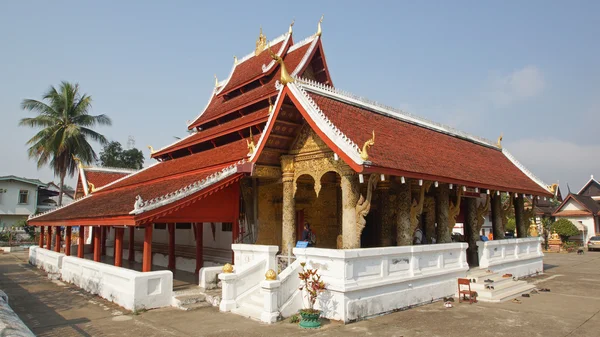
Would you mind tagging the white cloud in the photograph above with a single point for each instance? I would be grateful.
(518, 85)
(555, 159)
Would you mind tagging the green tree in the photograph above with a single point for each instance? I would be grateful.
(511, 225)
(66, 125)
(565, 228)
(547, 227)
(113, 155)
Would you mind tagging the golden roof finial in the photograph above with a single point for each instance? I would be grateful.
(270, 106)
(319, 31)
(285, 76)
(261, 42)
(78, 161)
(250, 143)
(499, 142)
(151, 149)
(291, 25)
(553, 188)
(234, 59)
(91, 187)
(364, 155)
(216, 81)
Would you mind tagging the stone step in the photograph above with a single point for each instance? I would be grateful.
(190, 299)
(248, 310)
(498, 283)
(508, 293)
(189, 291)
(504, 289)
(194, 306)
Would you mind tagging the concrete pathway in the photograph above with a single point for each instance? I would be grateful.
(52, 308)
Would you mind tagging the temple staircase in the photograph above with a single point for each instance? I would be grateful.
(195, 298)
(505, 288)
(251, 304)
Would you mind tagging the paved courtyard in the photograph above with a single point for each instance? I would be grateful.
(52, 308)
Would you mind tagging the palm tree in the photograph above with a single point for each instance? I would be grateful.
(65, 125)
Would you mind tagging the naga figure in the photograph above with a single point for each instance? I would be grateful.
(364, 206)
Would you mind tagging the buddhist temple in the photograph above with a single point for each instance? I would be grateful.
(277, 146)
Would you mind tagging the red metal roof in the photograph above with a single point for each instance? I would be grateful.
(219, 106)
(421, 151)
(101, 178)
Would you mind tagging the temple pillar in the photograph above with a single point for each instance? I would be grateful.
(41, 240)
(521, 225)
(103, 235)
(68, 241)
(92, 232)
(350, 195)
(199, 246)
(171, 264)
(147, 255)
(429, 208)
(289, 204)
(497, 225)
(442, 207)
(57, 239)
(404, 236)
(387, 213)
(81, 242)
(471, 230)
(131, 247)
(97, 248)
(49, 238)
(119, 247)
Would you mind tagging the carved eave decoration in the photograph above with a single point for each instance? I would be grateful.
(454, 208)
(499, 142)
(285, 76)
(482, 210)
(251, 145)
(261, 43)
(416, 208)
(364, 155)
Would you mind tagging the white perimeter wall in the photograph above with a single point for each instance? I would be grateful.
(520, 257)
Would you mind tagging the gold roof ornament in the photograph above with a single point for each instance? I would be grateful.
(216, 81)
(499, 142)
(285, 76)
(364, 155)
(319, 31)
(250, 143)
(151, 149)
(291, 25)
(235, 59)
(228, 268)
(78, 161)
(553, 188)
(270, 275)
(270, 106)
(261, 43)
(91, 187)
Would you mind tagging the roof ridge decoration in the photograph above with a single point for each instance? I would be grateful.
(109, 169)
(319, 31)
(285, 76)
(389, 111)
(312, 39)
(526, 171)
(587, 183)
(141, 206)
(266, 68)
(261, 43)
(326, 125)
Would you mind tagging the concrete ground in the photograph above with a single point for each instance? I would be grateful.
(52, 308)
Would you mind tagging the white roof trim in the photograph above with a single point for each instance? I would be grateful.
(302, 43)
(108, 169)
(205, 107)
(126, 177)
(349, 98)
(262, 136)
(306, 55)
(141, 206)
(266, 68)
(525, 170)
(588, 182)
(346, 144)
(84, 183)
(59, 207)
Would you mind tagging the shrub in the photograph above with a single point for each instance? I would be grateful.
(313, 285)
(511, 225)
(570, 246)
(565, 228)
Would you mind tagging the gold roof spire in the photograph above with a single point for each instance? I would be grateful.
(216, 81)
(261, 43)
(270, 106)
(151, 149)
(285, 76)
(291, 25)
(499, 142)
(235, 59)
(319, 31)
(78, 161)
(250, 143)
(364, 155)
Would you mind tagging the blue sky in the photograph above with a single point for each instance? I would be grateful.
(528, 69)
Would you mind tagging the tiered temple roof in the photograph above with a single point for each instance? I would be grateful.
(243, 109)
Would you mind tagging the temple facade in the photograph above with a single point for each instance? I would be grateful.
(278, 146)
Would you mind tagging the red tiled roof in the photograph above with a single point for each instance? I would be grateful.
(100, 178)
(205, 135)
(218, 106)
(251, 69)
(414, 149)
(573, 213)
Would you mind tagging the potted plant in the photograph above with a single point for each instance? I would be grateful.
(313, 286)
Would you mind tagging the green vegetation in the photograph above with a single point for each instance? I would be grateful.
(565, 229)
(113, 155)
(65, 127)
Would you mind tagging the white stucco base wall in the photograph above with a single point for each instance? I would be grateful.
(47, 260)
(130, 289)
(519, 257)
(367, 282)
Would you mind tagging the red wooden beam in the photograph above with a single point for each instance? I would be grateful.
(41, 237)
(49, 238)
(147, 255)
(68, 241)
(199, 246)
(81, 242)
(97, 248)
(171, 264)
(57, 240)
(131, 248)
(119, 247)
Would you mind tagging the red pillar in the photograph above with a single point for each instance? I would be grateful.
(147, 256)
(41, 236)
(68, 241)
(119, 247)
(131, 248)
(49, 238)
(57, 240)
(199, 246)
(97, 248)
(104, 235)
(171, 264)
(81, 242)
